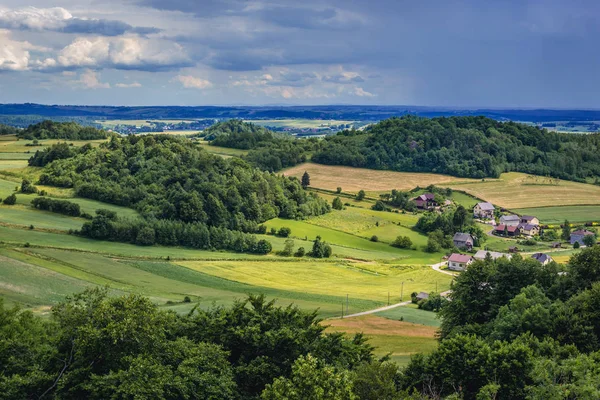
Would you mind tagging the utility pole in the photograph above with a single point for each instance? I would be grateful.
(346, 304)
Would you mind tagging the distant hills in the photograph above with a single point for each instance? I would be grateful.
(339, 112)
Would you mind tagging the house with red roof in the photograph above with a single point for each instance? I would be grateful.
(459, 262)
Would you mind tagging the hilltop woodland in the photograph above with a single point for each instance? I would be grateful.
(475, 147)
(269, 151)
(186, 196)
(61, 130)
(514, 329)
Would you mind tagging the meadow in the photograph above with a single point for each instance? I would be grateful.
(557, 215)
(40, 266)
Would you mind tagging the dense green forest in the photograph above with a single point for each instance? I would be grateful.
(61, 130)
(8, 130)
(185, 194)
(474, 147)
(268, 150)
(514, 329)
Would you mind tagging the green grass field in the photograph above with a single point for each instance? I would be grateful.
(222, 151)
(557, 215)
(411, 314)
(364, 281)
(15, 156)
(26, 216)
(377, 250)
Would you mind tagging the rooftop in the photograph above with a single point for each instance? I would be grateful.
(480, 255)
(460, 258)
(486, 206)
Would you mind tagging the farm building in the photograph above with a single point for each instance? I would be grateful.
(530, 220)
(425, 201)
(484, 210)
(513, 249)
(529, 229)
(542, 258)
(577, 236)
(459, 262)
(481, 254)
(510, 220)
(556, 245)
(504, 230)
(463, 240)
(422, 296)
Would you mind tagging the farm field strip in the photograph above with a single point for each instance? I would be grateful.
(515, 191)
(399, 339)
(352, 179)
(558, 214)
(330, 278)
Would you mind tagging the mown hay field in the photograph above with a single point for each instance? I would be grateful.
(354, 179)
(515, 190)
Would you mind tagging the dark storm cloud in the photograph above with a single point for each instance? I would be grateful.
(58, 19)
(104, 27)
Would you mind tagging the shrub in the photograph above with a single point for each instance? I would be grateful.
(284, 232)
(27, 187)
(379, 206)
(336, 204)
(262, 247)
(338, 190)
(576, 245)
(402, 242)
(360, 195)
(374, 238)
(300, 252)
(10, 200)
(187, 299)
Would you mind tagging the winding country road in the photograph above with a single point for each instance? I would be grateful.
(436, 267)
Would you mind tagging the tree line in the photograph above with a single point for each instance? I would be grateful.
(268, 150)
(475, 147)
(61, 130)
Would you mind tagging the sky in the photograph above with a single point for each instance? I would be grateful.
(451, 53)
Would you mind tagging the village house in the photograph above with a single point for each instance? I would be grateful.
(481, 255)
(530, 220)
(459, 262)
(463, 241)
(425, 201)
(542, 258)
(503, 230)
(577, 236)
(422, 296)
(510, 220)
(484, 210)
(529, 229)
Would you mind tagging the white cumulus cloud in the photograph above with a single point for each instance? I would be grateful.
(126, 52)
(90, 79)
(129, 85)
(192, 82)
(358, 91)
(14, 55)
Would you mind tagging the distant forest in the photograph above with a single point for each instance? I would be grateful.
(475, 147)
(269, 151)
(61, 130)
(338, 112)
